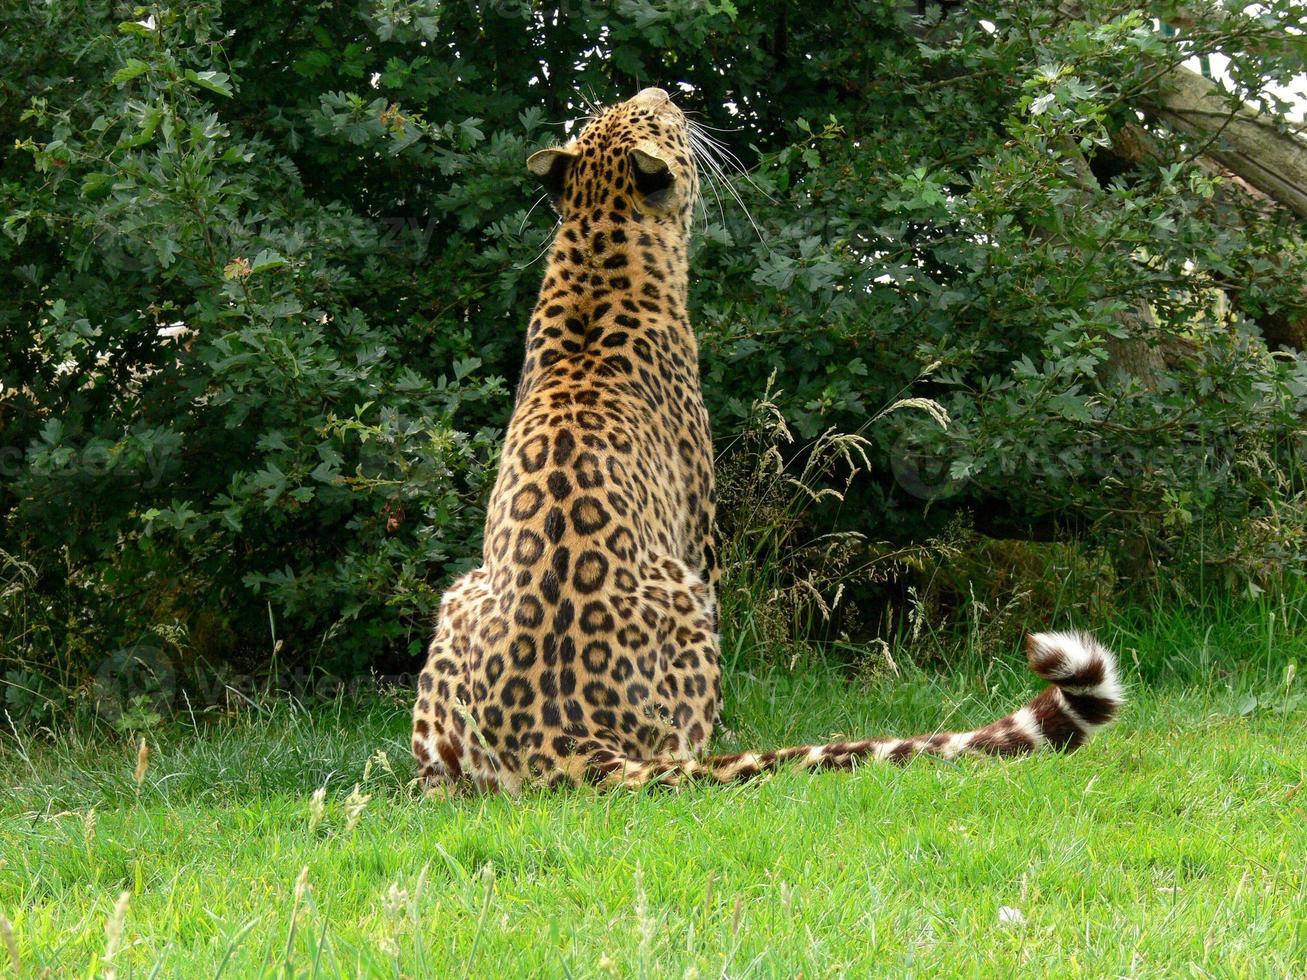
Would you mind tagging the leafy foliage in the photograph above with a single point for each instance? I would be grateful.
(264, 268)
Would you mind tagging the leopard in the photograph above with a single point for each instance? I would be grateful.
(585, 648)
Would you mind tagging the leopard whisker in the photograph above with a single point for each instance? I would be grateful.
(527, 216)
(712, 177)
(726, 155)
(549, 241)
(703, 152)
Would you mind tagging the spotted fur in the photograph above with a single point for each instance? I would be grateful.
(585, 647)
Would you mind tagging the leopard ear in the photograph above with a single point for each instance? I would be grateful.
(550, 168)
(653, 177)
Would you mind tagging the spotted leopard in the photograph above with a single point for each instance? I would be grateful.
(585, 646)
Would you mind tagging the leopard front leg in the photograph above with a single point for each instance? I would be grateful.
(435, 747)
(686, 695)
(448, 745)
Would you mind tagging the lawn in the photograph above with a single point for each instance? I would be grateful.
(1176, 844)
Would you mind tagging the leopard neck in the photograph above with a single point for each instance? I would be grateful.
(616, 285)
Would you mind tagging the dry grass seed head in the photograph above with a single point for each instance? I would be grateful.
(142, 764)
(113, 933)
(355, 804)
(11, 944)
(317, 807)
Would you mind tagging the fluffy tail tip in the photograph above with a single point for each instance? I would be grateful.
(1078, 665)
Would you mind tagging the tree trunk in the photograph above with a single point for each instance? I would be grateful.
(1247, 142)
(1134, 145)
(1258, 147)
(1257, 153)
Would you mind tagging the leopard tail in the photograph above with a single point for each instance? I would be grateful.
(1084, 695)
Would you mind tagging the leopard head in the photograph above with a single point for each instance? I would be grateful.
(634, 157)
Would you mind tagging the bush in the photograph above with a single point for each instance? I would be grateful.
(265, 268)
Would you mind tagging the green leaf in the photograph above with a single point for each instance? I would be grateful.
(144, 27)
(150, 120)
(471, 131)
(265, 260)
(214, 81)
(96, 183)
(133, 69)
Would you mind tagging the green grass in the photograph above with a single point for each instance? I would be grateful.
(1173, 845)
